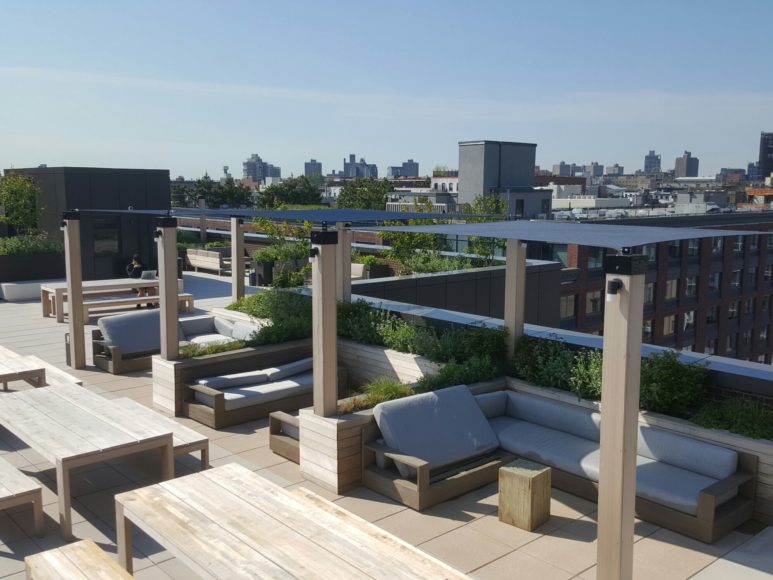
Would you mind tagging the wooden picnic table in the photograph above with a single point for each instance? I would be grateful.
(228, 522)
(52, 295)
(71, 426)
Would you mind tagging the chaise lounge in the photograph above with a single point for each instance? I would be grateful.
(690, 486)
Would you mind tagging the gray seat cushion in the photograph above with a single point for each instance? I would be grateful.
(223, 326)
(243, 331)
(194, 325)
(207, 339)
(551, 447)
(133, 333)
(287, 370)
(698, 456)
(442, 427)
(256, 377)
(572, 419)
(249, 395)
(492, 404)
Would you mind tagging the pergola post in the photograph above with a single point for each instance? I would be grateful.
(202, 220)
(73, 268)
(619, 415)
(237, 258)
(324, 334)
(166, 241)
(344, 260)
(515, 292)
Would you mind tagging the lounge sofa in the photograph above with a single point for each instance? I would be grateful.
(693, 487)
(126, 342)
(230, 399)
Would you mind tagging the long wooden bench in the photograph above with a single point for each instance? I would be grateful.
(82, 560)
(54, 375)
(185, 302)
(42, 373)
(18, 489)
(185, 440)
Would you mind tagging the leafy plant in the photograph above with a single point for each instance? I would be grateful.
(737, 416)
(290, 278)
(544, 362)
(473, 370)
(585, 378)
(368, 260)
(289, 313)
(26, 245)
(377, 391)
(190, 350)
(431, 261)
(667, 386)
(19, 199)
(218, 244)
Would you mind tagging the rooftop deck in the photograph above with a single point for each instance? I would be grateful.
(464, 533)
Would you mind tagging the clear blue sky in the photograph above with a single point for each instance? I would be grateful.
(194, 85)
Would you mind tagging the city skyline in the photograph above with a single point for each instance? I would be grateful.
(158, 94)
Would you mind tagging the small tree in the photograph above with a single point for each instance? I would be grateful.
(405, 245)
(367, 193)
(292, 191)
(492, 206)
(18, 197)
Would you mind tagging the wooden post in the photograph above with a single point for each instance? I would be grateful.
(344, 263)
(74, 272)
(324, 333)
(202, 220)
(166, 240)
(237, 258)
(515, 292)
(619, 415)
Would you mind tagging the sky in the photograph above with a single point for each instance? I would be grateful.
(194, 85)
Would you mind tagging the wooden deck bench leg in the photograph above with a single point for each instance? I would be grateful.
(63, 492)
(205, 457)
(123, 527)
(167, 462)
(37, 512)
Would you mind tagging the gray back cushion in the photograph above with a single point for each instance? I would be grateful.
(287, 370)
(133, 333)
(681, 451)
(555, 414)
(442, 427)
(243, 330)
(259, 376)
(224, 327)
(198, 325)
(492, 404)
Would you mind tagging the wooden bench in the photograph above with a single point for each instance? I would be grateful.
(185, 302)
(54, 375)
(283, 438)
(32, 369)
(18, 489)
(185, 440)
(207, 260)
(82, 560)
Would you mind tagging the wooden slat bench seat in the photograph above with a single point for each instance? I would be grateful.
(185, 302)
(32, 369)
(185, 440)
(82, 560)
(54, 375)
(18, 489)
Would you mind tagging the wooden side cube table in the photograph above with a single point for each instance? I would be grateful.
(524, 494)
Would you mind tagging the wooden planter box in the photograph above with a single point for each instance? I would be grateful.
(22, 267)
(366, 362)
(762, 448)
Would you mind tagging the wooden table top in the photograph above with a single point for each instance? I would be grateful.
(229, 522)
(68, 421)
(109, 284)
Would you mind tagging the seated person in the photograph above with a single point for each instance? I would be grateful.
(134, 270)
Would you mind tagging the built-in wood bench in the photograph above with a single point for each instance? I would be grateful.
(82, 560)
(54, 375)
(18, 489)
(33, 370)
(185, 440)
(283, 438)
(185, 302)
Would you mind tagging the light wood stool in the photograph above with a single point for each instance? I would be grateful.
(524, 494)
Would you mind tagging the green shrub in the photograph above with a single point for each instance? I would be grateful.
(290, 278)
(585, 378)
(543, 362)
(669, 387)
(26, 245)
(289, 313)
(376, 391)
(371, 260)
(190, 350)
(359, 322)
(220, 244)
(737, 416)
(473, 370)
(460, 345)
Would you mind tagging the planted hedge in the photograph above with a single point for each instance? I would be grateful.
(29, 245)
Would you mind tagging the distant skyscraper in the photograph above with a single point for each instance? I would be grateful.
(353, 168)
(409, 168)
(766, 155)
(686, 166)
(258, 170)
(562, 169)
(753, 171)
(614, 170)
(652, 162)
(594, 169)
(312, 168)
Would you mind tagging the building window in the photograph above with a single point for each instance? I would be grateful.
(646, 331)
(106, 235)
(711, 346)
(748, 307)
(764, 304)
(669, 325)
(672, 289)
(712, 315)
(732, 310)
(770, 242)
(715, 281)
(731, 343)
(735, 279)
(567, 306)
(764, 334)
(651, 251)
(595, 258)
(649, 293)
(674, 250)
(716, 246)
(754, 243)
(559, 254)
(738, 244)
(746, 337)
(593, 302)
(751, 272)
(768, 272)
(691, 286)
(693, 248)
(688, 322)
